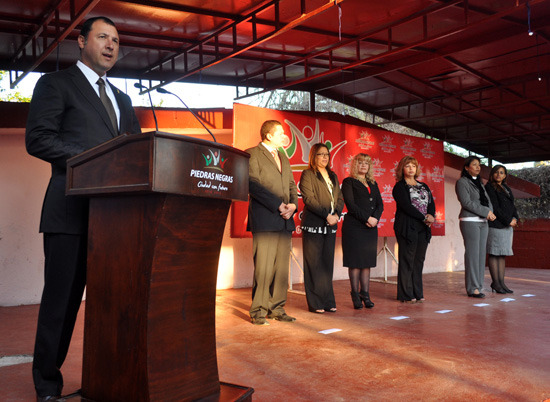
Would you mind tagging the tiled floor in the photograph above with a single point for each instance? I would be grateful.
(497, 352)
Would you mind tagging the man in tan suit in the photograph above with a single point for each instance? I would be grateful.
(273, 203)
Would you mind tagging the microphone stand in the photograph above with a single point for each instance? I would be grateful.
(164, 91)
(143, 87)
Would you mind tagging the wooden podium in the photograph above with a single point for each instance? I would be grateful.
(158, 208)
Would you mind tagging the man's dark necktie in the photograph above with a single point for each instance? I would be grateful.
(107, 103)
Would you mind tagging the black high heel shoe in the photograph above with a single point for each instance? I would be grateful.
(506, 289)
(356, 300)
(366, 299)
(497, 288)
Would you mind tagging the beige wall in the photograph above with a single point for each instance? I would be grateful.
(23, 180)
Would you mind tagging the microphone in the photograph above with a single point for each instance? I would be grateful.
(164, 91)
(143, 87)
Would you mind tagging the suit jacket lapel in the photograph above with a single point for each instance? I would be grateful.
(121, 106)
(90, 95)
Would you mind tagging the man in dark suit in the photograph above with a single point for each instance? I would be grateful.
(71, 111)
(273, 202)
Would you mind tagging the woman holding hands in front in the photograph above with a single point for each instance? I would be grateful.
(360, 228)
(323, 204)
(414, 215)
(476, 209)
(501, 230)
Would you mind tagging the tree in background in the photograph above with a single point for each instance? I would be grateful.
(8, 95)
(535, 208)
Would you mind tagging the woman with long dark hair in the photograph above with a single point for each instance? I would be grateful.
(414, 215)
(323, 204)
(501, 230)
(476, 210)
(360, 228)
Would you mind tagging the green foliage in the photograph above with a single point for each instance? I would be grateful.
(9, 95)
(535, 208)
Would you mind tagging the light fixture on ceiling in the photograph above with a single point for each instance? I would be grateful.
(529, 31)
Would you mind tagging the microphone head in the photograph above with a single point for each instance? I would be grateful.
(162, 90)
(140, 86)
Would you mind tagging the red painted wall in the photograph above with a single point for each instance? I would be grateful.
(531, 245)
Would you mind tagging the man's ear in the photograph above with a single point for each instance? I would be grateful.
(81, 41)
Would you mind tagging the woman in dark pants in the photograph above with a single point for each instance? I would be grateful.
(323, 204)
(476, 210)
(501, 230)
(360, 228)
(413, 220)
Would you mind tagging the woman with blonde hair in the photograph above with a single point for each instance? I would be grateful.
(414, 215)
(323, 204)
(360, 228)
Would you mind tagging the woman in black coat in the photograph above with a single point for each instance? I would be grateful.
(501, 232)
(414, 215)
(323, 205)
(360, 228)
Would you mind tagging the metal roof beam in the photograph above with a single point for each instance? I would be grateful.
(50, 15)
(253, 41)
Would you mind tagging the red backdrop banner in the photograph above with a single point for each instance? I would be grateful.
(344, 140)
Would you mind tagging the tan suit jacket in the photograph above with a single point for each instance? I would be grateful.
(268, 188)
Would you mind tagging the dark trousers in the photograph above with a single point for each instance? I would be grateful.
(271, 265)
(318, 252)
(64, 282)
(412, 252)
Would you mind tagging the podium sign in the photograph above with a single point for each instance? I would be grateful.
(158, 208)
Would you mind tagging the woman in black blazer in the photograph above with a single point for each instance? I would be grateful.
(360, 228)
(414, 215)
(501, 232)
(323, 205)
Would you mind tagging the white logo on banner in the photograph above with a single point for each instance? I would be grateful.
(427, 151)
(407, 147)
(438, 220)
(314, 136)
(386, 194)
(437, 174)
(365, 142)
(387, 146)
(377, 169)
(421, 174)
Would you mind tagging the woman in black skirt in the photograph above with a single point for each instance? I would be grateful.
(360, 228)
(501, 230)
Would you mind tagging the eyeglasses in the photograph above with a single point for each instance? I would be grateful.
(323, 154)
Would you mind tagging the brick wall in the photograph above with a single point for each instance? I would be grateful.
(531, 245)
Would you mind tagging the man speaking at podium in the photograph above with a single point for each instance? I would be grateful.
(273, 203)
(71, 111)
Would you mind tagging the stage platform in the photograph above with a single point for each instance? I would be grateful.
(448, 348)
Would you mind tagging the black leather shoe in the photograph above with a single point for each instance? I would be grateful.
(477, 295)
(259, 321)
(282, 317)
(48, 398)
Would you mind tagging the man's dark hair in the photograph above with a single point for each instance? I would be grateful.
(87, 26)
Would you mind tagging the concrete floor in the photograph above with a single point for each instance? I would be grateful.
(498, 352)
